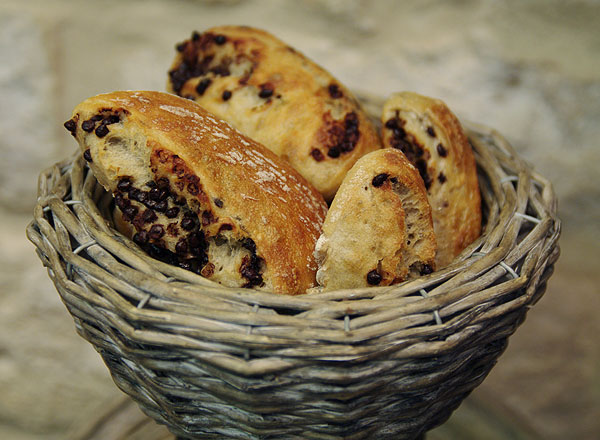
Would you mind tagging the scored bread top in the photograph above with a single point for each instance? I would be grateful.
(274, 94)
(432, 138)
(238, 189)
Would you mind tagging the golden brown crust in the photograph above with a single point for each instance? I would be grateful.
(240, 193)
(275, 95)
(432, 138)
(378, 230)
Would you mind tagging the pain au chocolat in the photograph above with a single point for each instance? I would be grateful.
(199, 194)
(274, 94)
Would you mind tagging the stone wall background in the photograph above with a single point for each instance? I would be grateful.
(530, 69)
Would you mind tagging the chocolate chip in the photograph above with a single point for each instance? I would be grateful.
(101, 131)
(88, 126)
(151, 203)
(374, 278)
(334, 91)
(188, 223)
(250, 269)
(112, 119)
(130, 212)
(180, 201)
(151, 184)
(431, 131)
(441, 150)
(156, 232)
(141, 237)
(317, 155)
(172, 212)
(203, 85)
(207, 218)
(421, 166)
(163, 183)
(441, 177)
(195, 36)
(197, 240)
(71, 125)
(181, 247)
(121, 201)
(379, 180)
(334, 152)
(225, 227)
(161, 206)
(220, 39)
(218, 202)
(154, 194)
(226, 95)
(139, 195)
(124, 184)
(181, 46)
(392, 123)
(87, 155)
(249, 244)
(266, 91)
(149, 216)
(426, 269)
(394, 180)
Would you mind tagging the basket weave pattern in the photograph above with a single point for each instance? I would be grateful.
(379, 362)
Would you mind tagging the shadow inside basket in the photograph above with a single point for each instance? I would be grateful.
(378, 362)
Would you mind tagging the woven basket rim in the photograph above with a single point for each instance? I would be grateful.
(515, 193)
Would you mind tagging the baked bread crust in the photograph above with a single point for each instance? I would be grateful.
(199, 193)
(432, 138)
(275, 95)
(378, 230)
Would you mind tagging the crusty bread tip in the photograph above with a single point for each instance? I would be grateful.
(378, 230)
(277, 96)
(199, 194)
(432, 138)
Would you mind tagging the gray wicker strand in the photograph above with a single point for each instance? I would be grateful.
(382, 362)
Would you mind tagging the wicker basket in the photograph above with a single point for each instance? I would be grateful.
(380, 362)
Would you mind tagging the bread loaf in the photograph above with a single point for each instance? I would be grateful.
(432, 138)
(378, 230)
(275, 95)
(200, 194)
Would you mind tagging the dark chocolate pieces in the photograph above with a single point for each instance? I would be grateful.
(413, 151)
(203, 85)
(266, 91)
(197, 62)
(106, 118)
(87, 155)
(334, 91)
(250, 270)
(344, 135)
(379, 180)
(317, 155)
(71, 126)
(374, 277)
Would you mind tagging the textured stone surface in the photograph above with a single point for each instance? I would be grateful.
(529, 69)
(28, 135)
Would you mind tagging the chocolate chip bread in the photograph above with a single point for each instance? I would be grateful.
(199, 194)
(378, 230)
(432, 138)
(275, 95)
